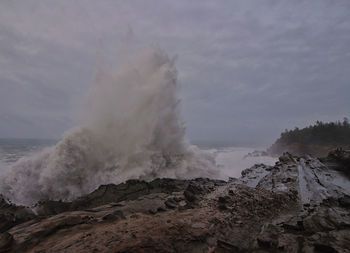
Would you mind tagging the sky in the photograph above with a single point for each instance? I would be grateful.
(247, 69)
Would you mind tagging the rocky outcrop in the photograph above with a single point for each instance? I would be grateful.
(130, 190)
(298, 205)
(11, 215)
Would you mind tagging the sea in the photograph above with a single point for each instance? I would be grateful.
(231, 160)
(11, 150)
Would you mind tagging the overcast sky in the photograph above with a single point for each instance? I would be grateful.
(247, 69)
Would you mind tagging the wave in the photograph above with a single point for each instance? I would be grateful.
(131, 129)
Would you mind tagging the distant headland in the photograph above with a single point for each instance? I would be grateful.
(317, 139)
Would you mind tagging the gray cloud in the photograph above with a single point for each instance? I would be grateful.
(248, 69)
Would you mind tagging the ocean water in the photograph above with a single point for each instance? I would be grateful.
(11, 150)
(230, 160)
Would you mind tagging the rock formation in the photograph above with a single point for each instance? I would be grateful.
(299, 205)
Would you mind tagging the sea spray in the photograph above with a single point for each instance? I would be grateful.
(131, 130)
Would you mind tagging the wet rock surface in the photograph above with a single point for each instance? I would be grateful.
(298, 205)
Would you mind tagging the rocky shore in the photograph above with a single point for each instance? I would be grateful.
(299, 205)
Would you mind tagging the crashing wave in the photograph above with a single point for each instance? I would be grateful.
(131, 130)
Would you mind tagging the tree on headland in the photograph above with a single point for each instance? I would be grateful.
(331, 133)
(317, 136)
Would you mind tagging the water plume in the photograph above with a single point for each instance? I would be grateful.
(131, 129)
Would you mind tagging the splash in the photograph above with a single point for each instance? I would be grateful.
(131, 130)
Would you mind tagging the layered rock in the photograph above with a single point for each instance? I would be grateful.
(298, 205)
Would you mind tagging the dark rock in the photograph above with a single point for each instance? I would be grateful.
(130, 190)
(344, 201)
(298, 226)
(105, 194)
(232, 179)
(186, 207)
(268, 237)
(266, 243)
(222, 206)
(51, 207)
(190, 196)
(152, 211)
(171, 203)
(167, 185)
(110, 217)
(161, 209)
(6, 239)
(229, 247)
(116, 215)
(322, 248)
(119, 213)
(11, 215)
(193, 190)
(177, 199)
(6, 222)
(196, 188)
(286, 158)
(223, 200)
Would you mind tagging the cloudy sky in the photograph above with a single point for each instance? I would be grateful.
(248, 69)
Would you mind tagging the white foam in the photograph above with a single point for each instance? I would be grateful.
(232, 161)
(131, 130)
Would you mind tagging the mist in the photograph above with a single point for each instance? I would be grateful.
(132, 130)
